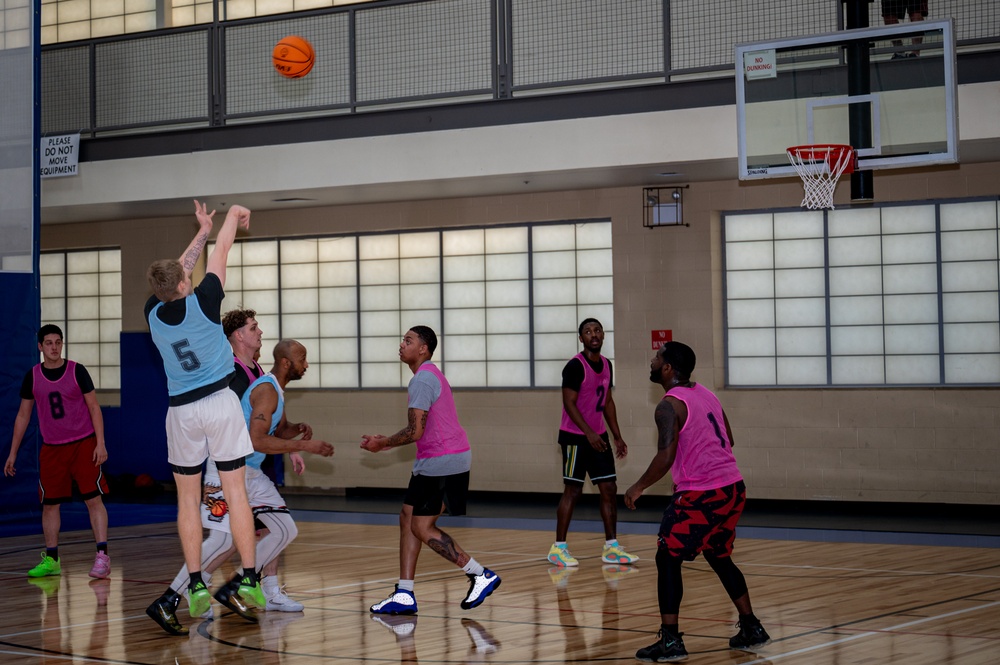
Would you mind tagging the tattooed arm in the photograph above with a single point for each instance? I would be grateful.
(263, 403)
(417, 420)
(190, 256)
(668, 424)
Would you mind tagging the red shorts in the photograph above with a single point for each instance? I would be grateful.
(702, 521)
(60, 465)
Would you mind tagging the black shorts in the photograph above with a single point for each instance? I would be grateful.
(427, 493)
(702, 521)
(580, 460)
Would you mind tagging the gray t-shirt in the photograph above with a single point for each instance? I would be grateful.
(423, 390)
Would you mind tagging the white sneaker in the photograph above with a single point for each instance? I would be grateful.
(278, 601)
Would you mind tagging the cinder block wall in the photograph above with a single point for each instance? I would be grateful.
(933, 445)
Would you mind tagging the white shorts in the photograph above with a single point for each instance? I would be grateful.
(213, 427)
(261, 492)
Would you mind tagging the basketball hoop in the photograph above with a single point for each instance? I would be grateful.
(820, 167)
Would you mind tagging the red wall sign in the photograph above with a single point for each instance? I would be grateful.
(661, 337)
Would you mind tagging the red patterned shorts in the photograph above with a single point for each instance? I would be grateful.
(702, 521)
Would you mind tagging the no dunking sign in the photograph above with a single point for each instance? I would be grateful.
(661, 337)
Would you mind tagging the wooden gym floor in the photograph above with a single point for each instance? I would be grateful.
(908, 598)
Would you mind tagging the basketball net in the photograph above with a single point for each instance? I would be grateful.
(820, 167)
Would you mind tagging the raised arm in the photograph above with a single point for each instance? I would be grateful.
(237, 216)
(190, 256)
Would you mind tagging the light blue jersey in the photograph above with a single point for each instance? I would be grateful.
(195, 353)
(255, 459)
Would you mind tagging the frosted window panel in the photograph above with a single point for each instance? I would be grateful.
(379, 297)
(110, 260)
(861, 370)
(467, 374)
(110, 284)
(972, 368)
(379, 272)
(741, 228)
(415, 271)
(268, 324)
(111, 307)
(960, 307)
(968, 245)
(801, 342)
(555, 319)
(971, 338)
(752, 342)
(111, 331)
(594, 290)
(232, 300)
(856, 281)
(51, 264)
(422, 317)
(262, 301)
(507, 320)
(464, 268)
(507, 294)
(110, 354)
(554, 291)
(381, 323)
(507, 373)
(912, 369)
(506, 266)
(338, 350)
(234, 280)
(798, 224)
(470, 294)
(421, 296)
(298, 326)
(85, 331)
(854, 222)
(49, 13)
(382, 375)
(750, 284)
(750, 313)
(110, 378)
(971, 215)
(53, 286)
(800, 312)
(603, 313)
(297, 276)
(549, 372)
(855, 251)
(86, 354)
(378, 247)
(380, 349)
(299, 251)
(462, 243)
(911, 339)
(554, 264)
(132, 6)
(83, 285)
(140, 22)
(274, 6)
(908, 219)
(752, 371)
(260, 277)
(506, 240)
(82, 308)
(801, 282)
(856, 340)
(508, 347)
(798, 254)
(551, 238)
(556, 345)
(69, 32)
(104, 27)
(336, 249)
(259, 253)
(465, 347)
(338, 274)
(911, 309)
(594, 263)
(593, 235)
(979, 276)
(311, 379)
(53, 309)
(50, 35)
(910, 279)
(419, 244)
(203, 13)
(235, 257)
(77, 262)
(750, 256)
(464, 321)
(909, 248)
(801, 371)
(333, 375)
(299, 300)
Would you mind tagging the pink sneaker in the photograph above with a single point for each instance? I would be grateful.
(102, 566)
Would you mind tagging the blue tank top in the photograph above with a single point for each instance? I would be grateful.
(255, 459)
(195, 353)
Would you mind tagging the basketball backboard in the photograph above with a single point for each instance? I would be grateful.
(895, 84)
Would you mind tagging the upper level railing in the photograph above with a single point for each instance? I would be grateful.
(403, 53)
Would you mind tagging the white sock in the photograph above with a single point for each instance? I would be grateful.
(561, 543)
(611, 543)
(473, 568)
(269, 583)
(406, 585)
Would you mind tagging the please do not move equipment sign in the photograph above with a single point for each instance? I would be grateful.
(59, 156)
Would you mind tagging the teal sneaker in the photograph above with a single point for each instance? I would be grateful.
(199, 600)
(254, 595)
(48, 566)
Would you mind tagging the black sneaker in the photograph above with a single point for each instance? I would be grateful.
(164, 612)
(229, 595)
(750, 637)
(667, 648)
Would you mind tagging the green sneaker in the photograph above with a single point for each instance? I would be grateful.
(199, 600)
(254, 595)
(48, 566)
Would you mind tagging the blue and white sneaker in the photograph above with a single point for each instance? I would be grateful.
(400, 601)
(480, 586)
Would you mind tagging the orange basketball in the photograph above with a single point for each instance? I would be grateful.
(293, 57)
